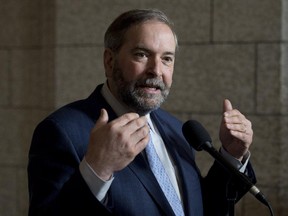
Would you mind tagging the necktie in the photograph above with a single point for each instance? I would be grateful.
(163, 179)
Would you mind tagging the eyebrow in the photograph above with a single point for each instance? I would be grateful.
(150, 51)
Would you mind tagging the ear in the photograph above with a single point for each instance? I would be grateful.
(108, 59)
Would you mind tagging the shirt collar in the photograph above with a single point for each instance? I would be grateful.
(118, 108)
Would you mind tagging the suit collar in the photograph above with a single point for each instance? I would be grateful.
(118, 107)
(96, 100)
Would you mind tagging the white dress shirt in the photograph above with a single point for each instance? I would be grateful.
(100, 187)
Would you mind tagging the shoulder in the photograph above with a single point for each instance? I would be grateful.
(70, 114)
(70, 117)
(80, 111)
(66, 129)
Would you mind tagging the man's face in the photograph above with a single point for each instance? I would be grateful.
(140, 73)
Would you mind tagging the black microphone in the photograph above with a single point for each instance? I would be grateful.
(199, 139)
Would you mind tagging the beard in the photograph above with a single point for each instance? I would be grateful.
(134, 96)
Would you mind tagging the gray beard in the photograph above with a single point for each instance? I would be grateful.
(133, 96)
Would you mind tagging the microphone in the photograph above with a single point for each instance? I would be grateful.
(199, 139)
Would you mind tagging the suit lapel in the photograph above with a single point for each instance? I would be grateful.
(182, 157)
(141, 169)
(95, 102)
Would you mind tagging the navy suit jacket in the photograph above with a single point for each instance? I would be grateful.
(56, 186)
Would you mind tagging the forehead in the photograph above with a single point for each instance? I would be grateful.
(151, 33)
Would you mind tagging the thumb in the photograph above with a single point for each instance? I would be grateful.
(227, 106)
(103, 119)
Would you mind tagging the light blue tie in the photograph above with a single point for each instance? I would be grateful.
(163, 179)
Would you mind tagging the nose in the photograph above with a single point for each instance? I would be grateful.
(155, 66)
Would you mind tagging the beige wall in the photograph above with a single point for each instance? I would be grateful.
(51, 54)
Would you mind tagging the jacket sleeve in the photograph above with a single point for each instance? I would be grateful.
(56, 186)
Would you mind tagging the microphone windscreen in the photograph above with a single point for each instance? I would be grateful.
(195, 134)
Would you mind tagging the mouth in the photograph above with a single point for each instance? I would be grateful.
(150, 88)
(151, 85)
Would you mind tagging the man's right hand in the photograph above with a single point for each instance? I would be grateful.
(113, 145)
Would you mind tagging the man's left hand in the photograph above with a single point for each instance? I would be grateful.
(235, 131)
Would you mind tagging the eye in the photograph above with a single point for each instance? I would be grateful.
(168, 60)
(140, 54)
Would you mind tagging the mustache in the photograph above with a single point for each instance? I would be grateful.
(151, 83)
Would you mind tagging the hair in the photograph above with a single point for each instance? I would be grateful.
(114, 36)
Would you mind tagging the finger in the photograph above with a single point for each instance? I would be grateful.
(245, 127)
(103, 119)
(137, 123)
(125, 119)
(140, 134)
(234, 118)
(129, 129)
(238, 119)
(141, 138)
(137, 128)
(238, 127)
(227, 106)
(244, 138)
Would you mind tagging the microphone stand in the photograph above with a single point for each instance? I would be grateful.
(231, 195)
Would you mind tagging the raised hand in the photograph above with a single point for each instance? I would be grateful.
(113, 145)
(235, 131)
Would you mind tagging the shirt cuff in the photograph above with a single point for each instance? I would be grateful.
(240, 165)
(97, 186)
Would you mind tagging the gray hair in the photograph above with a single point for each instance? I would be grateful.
(114, 36)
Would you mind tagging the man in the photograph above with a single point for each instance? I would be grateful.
(91, 157)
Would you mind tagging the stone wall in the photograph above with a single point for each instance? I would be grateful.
(51, 54)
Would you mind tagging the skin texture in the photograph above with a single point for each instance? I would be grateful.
(139, 75)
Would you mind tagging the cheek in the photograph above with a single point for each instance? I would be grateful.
(168, 78)
(132, 71)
